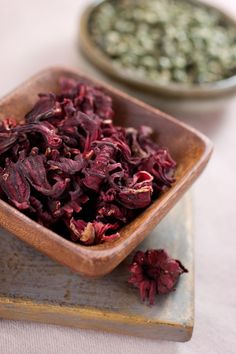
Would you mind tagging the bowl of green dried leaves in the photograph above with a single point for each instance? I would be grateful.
(179, 49)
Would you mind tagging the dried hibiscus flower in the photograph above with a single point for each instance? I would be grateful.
(154, 272)
(67, 166)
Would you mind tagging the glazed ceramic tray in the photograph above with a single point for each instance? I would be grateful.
(33, 287)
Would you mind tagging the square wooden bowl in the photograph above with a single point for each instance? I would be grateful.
(189, 148)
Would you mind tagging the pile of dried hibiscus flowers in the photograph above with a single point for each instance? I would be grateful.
(67, 166)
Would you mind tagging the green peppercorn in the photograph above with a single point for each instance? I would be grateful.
(166, 40)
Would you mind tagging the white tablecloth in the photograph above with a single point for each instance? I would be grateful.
(36, 34)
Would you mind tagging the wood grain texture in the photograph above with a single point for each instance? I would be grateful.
(35, 288)
(189, 148)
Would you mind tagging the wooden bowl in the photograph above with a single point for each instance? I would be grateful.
(181, 100)
(189, 148)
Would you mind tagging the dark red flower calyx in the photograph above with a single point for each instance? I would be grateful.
(153, 272)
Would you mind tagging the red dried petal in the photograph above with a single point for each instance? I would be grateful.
(46, 129)
(52, 154)
(7, 140)
(135, 146)
(76, 202)
(34, 170)
(68, 107)
(42, 216)
(101, 230)
(33, 167)
(68, 86)
(141, 179)
(7, 124)
(15, 186)
(82, 231)
(144, 289)
(91, 232)
(161, 166)
(102, 105)
(137, 274)
(98, 168)
(107, 211)
(165, 284)
(135, 198)
(139, 257)
(152, 292)
(46, 107)
(90, 127)
(66, 165)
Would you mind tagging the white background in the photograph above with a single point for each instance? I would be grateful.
(36, 34)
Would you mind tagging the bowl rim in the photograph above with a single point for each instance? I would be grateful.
(106, 65)
(98, 254)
